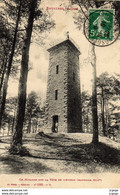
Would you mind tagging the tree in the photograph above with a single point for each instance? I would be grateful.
(33, 14)
(94, 96)
(86, 111)
(5, 42)
(32, 111)
(9, 114)
(83, 14)
(16, 12)
(5, 85)
(17, 136)
(108, 89)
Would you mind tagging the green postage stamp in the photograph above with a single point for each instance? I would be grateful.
(101, 24)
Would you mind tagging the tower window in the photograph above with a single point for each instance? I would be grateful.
(57, 69)
(56, 94)
(74, 102)
(73, 76)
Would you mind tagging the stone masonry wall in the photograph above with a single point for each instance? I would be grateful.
(57, 82)
(74, 96)
(67, 82)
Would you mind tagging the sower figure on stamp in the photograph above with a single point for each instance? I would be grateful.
(98, 23)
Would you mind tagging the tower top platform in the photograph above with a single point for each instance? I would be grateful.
(67, 41)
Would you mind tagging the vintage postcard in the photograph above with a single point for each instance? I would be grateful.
(59, 94)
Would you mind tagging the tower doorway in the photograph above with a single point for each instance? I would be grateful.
(55, 124)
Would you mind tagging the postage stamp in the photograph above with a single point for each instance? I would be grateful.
(101, 27)
(101, 24)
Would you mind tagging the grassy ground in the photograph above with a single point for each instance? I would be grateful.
(61, 153)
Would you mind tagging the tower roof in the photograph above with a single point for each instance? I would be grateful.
(70, 42)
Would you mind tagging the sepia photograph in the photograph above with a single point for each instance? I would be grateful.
(59, 94)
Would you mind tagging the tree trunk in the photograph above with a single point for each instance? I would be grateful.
(9, 126)
(107, 116)
(80, 117)
(87, 123)
(29, 125)
(102, 111)
(3, 74)
(5, 85)
(37, 125)
(94, 101)
(13, 122)
(17, 136)
(36, 129)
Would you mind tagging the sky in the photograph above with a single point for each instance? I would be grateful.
(108, 58)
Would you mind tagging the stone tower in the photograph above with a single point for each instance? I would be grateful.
(63, 101)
